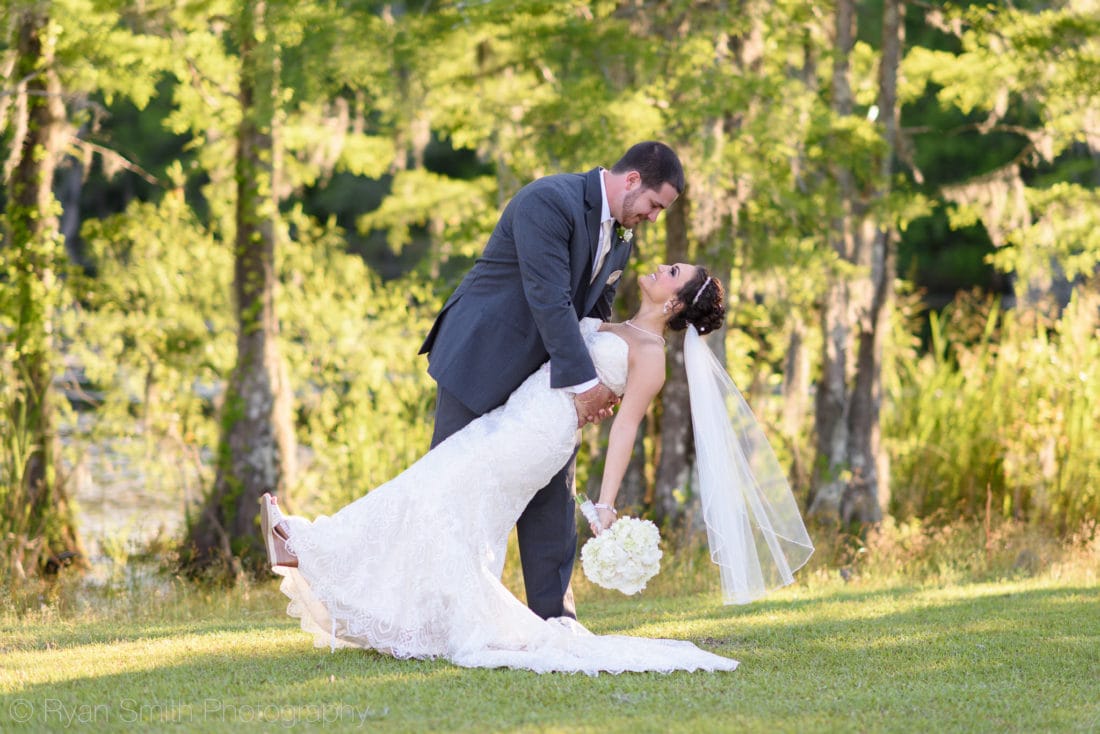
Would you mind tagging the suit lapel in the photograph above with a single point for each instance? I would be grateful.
(616, 260)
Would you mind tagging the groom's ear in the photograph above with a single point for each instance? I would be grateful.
(632, 180)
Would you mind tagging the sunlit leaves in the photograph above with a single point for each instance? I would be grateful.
(99, 53)
(351, 343)
(1032, 74)
(322, 139)
(1064, 229)
(419, 197)
(152, 334)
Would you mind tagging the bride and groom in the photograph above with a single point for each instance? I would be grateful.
(523, 355)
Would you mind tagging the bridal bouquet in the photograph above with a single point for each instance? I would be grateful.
(623, 557)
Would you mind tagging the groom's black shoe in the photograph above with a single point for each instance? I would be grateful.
(276, 533)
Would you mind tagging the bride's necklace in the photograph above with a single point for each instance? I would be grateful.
(644, 331)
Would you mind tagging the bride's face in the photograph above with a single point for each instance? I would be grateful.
(666, 281)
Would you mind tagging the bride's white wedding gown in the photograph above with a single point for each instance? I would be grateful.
(413, 568)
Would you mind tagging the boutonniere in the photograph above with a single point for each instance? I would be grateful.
(626, 235)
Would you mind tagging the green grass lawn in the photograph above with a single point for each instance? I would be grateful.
(1018, 655)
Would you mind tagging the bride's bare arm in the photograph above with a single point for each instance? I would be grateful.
(645, 376)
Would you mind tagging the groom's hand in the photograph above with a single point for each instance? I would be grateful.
(594, 404)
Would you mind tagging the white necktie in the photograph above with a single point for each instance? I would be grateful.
(603, 249)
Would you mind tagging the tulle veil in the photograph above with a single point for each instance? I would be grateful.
(754, 527)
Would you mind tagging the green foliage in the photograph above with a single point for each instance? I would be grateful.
(100, 52)
(23, 536)
(1030, 75)
(528, 88)
(153, 334)
(155, 338)
(331, 124)
(1067, 231)
(460, 211)
(320, 142)
(1000, 417)
(362, 392)
(944, 551)
(37, 523)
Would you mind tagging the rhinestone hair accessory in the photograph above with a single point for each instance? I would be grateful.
(702, 288)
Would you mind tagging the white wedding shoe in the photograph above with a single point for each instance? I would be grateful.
(276, 533)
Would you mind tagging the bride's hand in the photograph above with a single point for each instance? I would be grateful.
(607, 519)
(594, 404)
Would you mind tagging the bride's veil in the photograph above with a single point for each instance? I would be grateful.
(754, 526)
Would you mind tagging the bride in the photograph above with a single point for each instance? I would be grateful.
(413, 568)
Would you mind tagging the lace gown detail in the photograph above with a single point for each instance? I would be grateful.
(413, 567)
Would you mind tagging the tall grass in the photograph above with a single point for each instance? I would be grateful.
(139, 580)
(1001, 417)
(18, 549)
(36, 520)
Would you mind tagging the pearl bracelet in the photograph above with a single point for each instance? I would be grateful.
(609, 508)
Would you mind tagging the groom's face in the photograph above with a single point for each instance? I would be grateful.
(643, 203)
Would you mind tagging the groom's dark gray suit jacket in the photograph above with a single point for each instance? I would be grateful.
(521, 302)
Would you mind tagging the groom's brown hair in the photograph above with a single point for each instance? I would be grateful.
(656, 163)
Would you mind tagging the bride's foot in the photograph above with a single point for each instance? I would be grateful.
(276, 532)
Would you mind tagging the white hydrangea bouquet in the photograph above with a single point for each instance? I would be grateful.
(623, 557)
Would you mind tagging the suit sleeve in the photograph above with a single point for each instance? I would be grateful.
(543, 230)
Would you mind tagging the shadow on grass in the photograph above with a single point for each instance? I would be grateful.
(858, 659)
(66, 637)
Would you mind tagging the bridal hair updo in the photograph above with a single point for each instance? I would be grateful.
(704, 307)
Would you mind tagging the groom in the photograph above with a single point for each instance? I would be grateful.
(555, 257)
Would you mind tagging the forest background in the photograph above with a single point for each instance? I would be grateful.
(228, 224)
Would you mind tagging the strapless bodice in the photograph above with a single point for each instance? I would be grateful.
(609, 354)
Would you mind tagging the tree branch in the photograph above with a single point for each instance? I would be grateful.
(12, 92)
(117, 159)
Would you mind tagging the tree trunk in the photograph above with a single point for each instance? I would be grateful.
(674, 458)
(796, 389)
(715, 224)
(868, 493)
(69, 188)
(256, 452)
(831, 400)
(796, 367)
(37, 528)
(850, 482)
